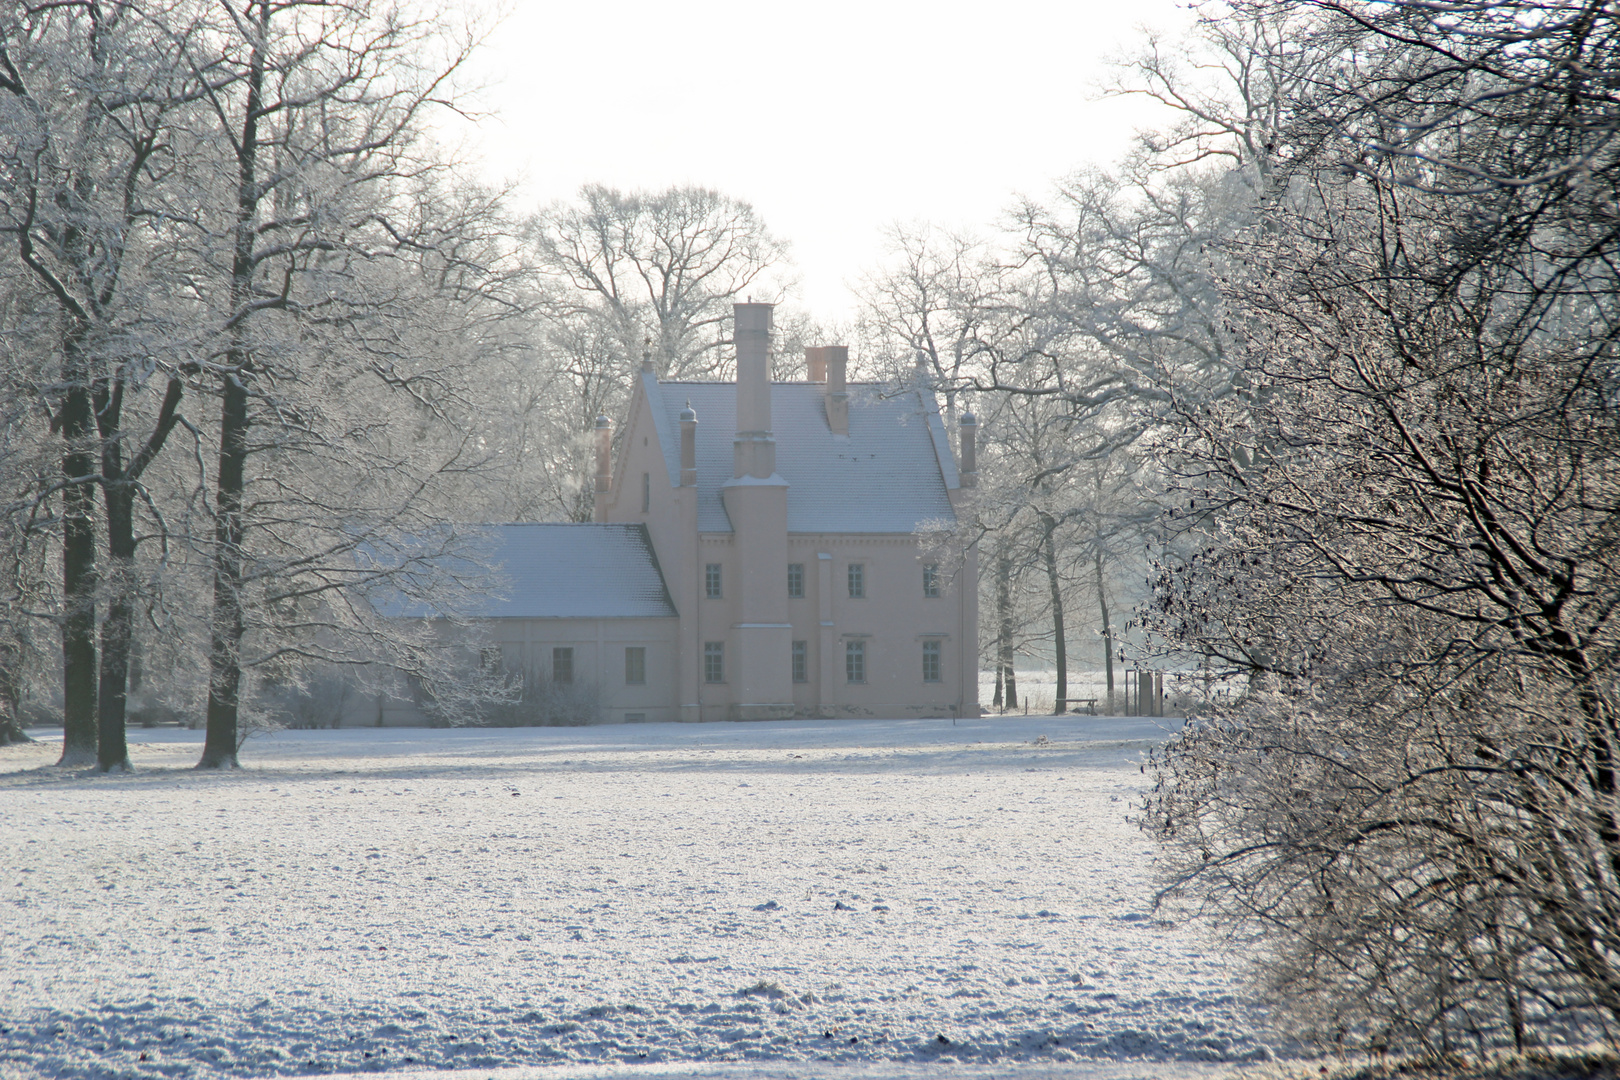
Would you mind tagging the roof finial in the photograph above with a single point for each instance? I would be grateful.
(646, 353)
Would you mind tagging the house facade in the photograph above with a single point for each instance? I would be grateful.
(760, 551)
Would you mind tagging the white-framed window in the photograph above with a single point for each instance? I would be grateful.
(635, 665)
(714, 661)
(931, 579)
(855, 661)
(931, 655)
(796, 580)
(562, 664)
(711, 580)
(857, 581)
(801, 661)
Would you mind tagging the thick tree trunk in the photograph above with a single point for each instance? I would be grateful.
(1059, 641)
(118, 491)
(1107, 625)
(78, 571)
(1004, 638)
(113, 752)
(225, 641)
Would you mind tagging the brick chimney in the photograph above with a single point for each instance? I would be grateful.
(758, 680)
(754, 446)
(967, 430)
(604, 465)
(837, 397)
(688, 446)
(815, 359)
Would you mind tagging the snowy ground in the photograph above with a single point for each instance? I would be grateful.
(895, 898)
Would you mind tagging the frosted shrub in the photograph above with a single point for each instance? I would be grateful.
(535, 701)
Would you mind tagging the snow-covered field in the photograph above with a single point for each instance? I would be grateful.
(887, 895)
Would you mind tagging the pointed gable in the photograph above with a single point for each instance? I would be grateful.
(891, 474)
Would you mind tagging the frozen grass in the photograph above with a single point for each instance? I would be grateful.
(887, 895)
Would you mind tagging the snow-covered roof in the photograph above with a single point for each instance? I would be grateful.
(891, 474)
(575, 571)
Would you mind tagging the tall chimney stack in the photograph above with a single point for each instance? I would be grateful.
(604, 465)
(755, 448)
(837, 396)
(688, 446)
(968, 430)
(815, 359)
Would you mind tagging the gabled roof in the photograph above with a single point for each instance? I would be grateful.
(891, 474)
(575, 571)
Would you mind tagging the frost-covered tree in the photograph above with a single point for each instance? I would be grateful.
(92, 96)
(655, 272)
(317, 254)
(1408, 546)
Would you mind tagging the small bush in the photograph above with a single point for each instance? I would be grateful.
(540, 702)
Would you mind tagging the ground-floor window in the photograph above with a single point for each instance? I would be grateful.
(562, 664)
(855, 661)
(931, 665)
(714, 661)
(635, 665)
(801, 661)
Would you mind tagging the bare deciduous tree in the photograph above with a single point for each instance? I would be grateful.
(1409, 545)
(87, 175)
(656, 271)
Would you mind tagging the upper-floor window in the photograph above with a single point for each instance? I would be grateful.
(796, 580)
(635, 665)
(931, 579)
(801, 661)
(714, 661)
(855, 661)
(711, 581)
(646, 492)
(562, 664)
(931, 661)
(857, 581)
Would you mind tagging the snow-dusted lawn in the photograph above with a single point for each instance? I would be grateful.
(866, 892)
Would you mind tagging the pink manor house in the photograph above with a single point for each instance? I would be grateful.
(760, 551)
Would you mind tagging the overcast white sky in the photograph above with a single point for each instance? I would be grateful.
(834, 118)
